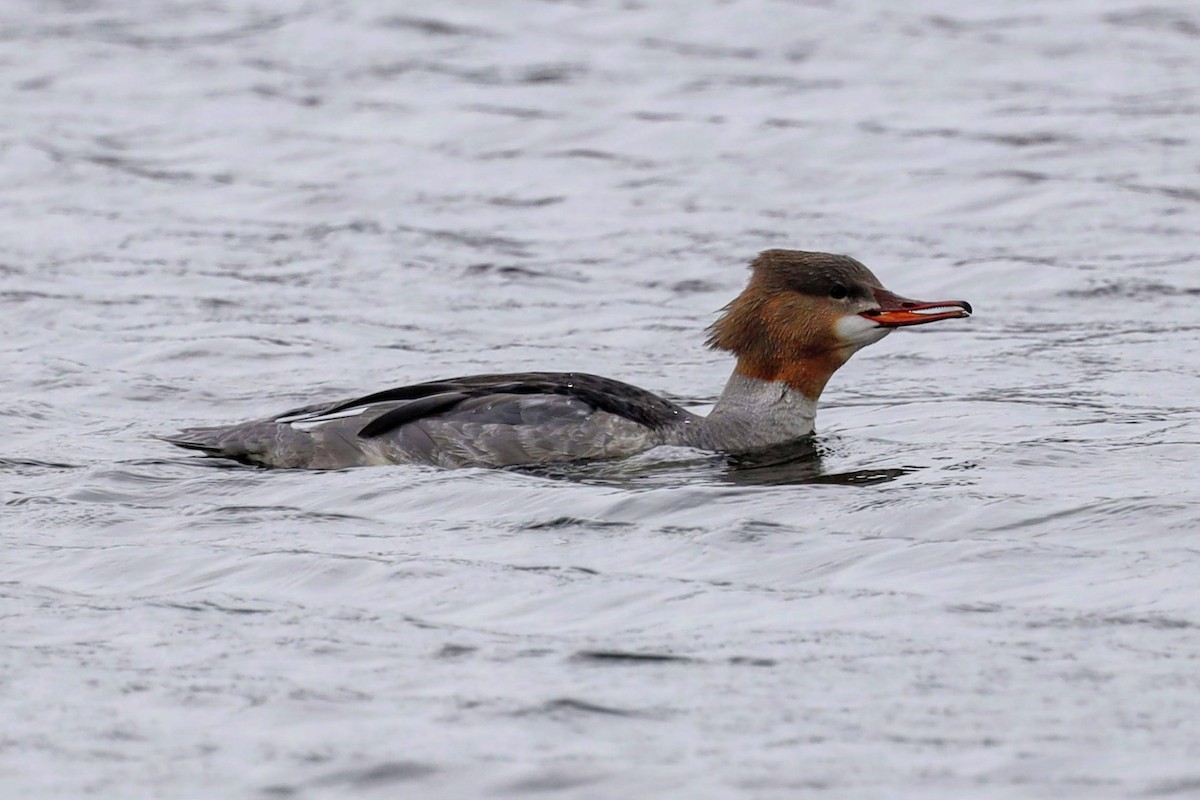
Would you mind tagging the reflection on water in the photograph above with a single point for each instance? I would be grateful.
(799, 463)
(791, 464)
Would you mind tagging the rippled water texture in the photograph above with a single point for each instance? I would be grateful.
(984, 583)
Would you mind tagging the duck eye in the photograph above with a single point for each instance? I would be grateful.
(838, 292)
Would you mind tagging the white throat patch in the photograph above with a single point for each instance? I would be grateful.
(857, 331)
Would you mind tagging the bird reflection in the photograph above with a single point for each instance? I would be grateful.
(798, 463)
(795, 463)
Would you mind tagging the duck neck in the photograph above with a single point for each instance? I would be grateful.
(755, 412)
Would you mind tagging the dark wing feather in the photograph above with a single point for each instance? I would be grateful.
(412, 411)
(424, 400)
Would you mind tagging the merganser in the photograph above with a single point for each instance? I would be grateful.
(801, 316)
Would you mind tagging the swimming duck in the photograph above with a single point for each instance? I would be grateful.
(800, 317)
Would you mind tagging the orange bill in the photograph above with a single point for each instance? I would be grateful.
(895, 311)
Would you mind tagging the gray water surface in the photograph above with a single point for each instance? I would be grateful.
(983, 583)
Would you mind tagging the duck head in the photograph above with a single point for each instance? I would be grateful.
(803, 314)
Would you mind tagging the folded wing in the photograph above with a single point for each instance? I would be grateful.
(489, 420)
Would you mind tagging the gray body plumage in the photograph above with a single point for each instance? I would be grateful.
(507, 420)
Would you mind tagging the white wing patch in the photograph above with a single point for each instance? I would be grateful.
(308, 421)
